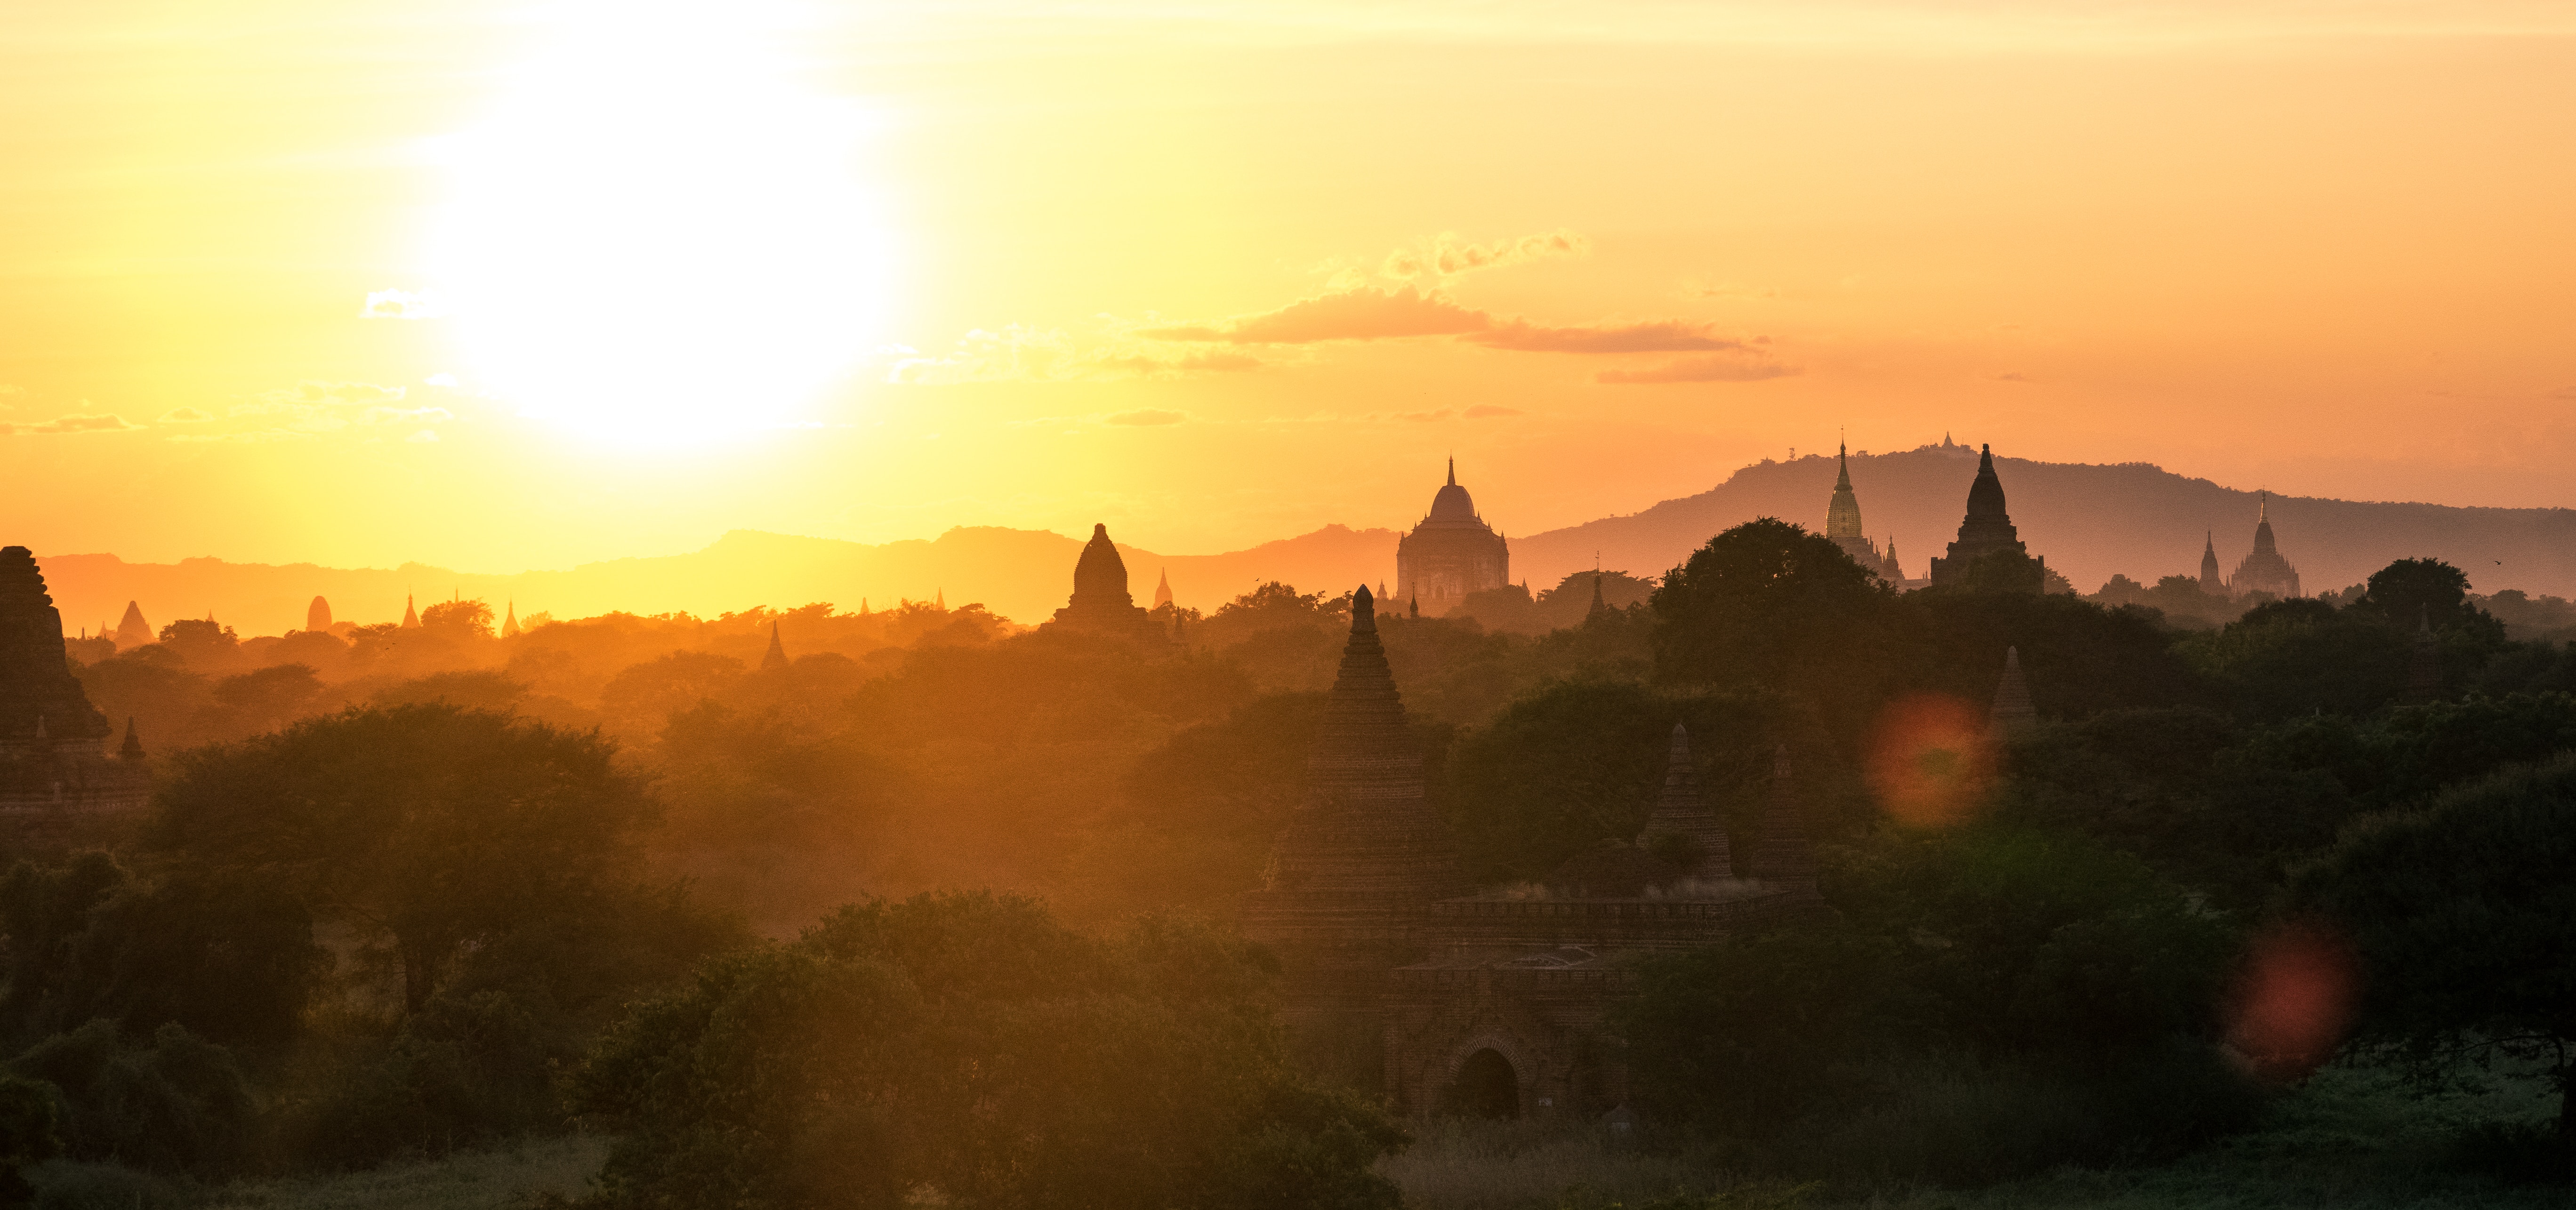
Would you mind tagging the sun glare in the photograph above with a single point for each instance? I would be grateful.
(659, 235)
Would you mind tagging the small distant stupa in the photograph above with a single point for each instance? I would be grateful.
(776, 658)
(2264, 569)
(1163, 589)
(510, 620)
(2012, 712)
(317, 616)
(411, 616)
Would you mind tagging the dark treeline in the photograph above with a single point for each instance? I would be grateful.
(432, 887)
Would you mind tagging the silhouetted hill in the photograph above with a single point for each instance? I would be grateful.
(2089, 520)
(1021, 574)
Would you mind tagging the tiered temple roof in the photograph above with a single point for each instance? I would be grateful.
(1987, 528)
(2264, 569)
(1682, 823)
(53, 743)
(1452, 552)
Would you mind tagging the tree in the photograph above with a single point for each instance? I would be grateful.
(201, 642)
(458, 619)
(29, 1120)
(2463, 918)
(969, 1048)
(434, 826)
(1760, 601)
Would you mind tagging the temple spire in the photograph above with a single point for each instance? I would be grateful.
(411, 616)
(510, 622)
(1682, 830)
(1453, 470)
(777, 656)
(2012, 712)
(133, 746)
(1784, 855)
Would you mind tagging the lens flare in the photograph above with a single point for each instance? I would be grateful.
(1931, 760)
(2293, 1001)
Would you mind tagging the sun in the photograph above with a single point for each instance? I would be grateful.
(659, 234)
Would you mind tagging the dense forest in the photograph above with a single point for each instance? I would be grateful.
(923, 901)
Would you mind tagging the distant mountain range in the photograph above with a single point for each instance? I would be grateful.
(2089, 521)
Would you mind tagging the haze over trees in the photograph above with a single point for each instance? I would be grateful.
(391, 887)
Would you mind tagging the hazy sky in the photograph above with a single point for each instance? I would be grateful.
(504, 285)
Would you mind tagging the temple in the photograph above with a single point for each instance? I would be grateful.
(1987, 530)
(131, 630)
(1497, 1001)
(2012, 712)
(509, 619)
(2264, 570)
(53, 744)
(317, 616)
(1451, 553)
(1842, 524)
(2210, 582)
(1100, 603)
(1163, 589)
(776, 657)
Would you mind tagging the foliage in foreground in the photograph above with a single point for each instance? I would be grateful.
(969, 1047)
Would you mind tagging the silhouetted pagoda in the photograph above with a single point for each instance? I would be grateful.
(317, 616)
(1842, 524)
(1499, 999)
(131, 630)
(776, 657)
(1987, 530)
(2264, 570)
(1100, 603)
(2209, 579)
(2012, 712)
(1451, 552)
(53, 743)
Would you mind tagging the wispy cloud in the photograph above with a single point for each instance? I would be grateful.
(1448, 255)
(1698, 369)
(1023, 354)
(1364, 313)
(403, 304)
(1146, 416)
(74, 423)
(185, 416)
(1656, 336)
(1487, 411)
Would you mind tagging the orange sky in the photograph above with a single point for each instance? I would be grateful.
(1219, 274)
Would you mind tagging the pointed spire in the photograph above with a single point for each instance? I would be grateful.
(1599, 607)
(1453, 470)
(2424, 662)
(863, 607)
(510, 623)
(1784, 855)
(2012, 712)
(1842, 458)
(1363, 612)
(943, 600)
(777, 656)
(1682, 829)
(1163, 588)
(132, 749)
(1413, 608)
(411, 616)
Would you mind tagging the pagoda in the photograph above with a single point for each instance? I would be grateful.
(53, 744)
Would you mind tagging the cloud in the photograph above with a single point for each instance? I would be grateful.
(424, 435)
(1019, 354)
(1146, 416)
(1447, 256)
(1698, 369)
(1658, 336)
(185, 416)
(1485, 411)
(1365, 313)
(74, 423)
(423, 415)
(255, 435)
(403, 304)
(1442, 414)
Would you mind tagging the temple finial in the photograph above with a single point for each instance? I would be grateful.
(1453, 470)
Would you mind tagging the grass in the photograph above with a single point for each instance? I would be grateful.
(478, 1180)
(2351, 1139)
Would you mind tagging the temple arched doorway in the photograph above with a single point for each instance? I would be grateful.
(1486, 1087)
